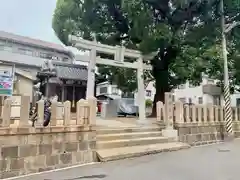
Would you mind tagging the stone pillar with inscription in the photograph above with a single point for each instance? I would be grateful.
(169, 131)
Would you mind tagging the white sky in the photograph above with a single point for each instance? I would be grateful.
(31, 18)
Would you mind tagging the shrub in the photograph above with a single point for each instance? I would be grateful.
(148, 103)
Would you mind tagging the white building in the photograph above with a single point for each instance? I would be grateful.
(113, 92)
(206, 92)
(28, 55)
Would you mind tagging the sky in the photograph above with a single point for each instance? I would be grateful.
(32, 18)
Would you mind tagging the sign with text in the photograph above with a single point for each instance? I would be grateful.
(6, 80)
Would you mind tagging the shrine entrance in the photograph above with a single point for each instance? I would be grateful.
(120, 55)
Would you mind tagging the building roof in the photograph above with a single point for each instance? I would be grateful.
(109, 96)
(32, 42)
(64, 70)
(71, 71)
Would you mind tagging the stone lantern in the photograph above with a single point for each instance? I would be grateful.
(48, 79)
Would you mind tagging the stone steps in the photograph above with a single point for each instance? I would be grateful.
(113, 144)
(132, 142)
(105, 131)
(134, 135)
(129, 152)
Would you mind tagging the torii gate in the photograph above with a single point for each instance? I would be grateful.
(119, 53)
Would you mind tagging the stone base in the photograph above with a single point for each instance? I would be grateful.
(170, 133)
(228, 137)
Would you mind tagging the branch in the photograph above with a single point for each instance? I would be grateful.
(147, 81)
(231, 26)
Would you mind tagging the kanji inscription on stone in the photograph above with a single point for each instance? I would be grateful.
(169, 109)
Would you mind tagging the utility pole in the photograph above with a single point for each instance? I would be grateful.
(226, 93)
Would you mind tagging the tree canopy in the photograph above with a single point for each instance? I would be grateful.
(184, 34)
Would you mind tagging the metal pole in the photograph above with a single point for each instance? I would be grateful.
(226, 93)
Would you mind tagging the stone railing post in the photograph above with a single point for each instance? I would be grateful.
(199, 113)
(236, 113)
(169, 110)
(221, 114)
(211, 112)
(93, 113)
(187, 113)
(80, 111)
(205, 113)
(169, 131)
(194, 113)
(216, 113)
(1, 105)
(179, 112)
(54, 107)
(67, 113)
(104, 109)
(24, 110)
(159, 109)
(40, 112)
(6, 113)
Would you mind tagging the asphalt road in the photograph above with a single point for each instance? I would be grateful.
(213, 162)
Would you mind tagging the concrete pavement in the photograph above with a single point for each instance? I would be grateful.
(213, 162)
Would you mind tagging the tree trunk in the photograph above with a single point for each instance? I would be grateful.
(161, 80)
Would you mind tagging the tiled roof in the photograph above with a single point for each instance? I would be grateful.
(31, 41)
(71, 71)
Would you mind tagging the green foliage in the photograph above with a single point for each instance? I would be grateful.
(185, 34)
(148, 103)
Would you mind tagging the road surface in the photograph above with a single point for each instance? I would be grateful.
(213, 162)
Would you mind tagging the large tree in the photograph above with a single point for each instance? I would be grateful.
(179, 32)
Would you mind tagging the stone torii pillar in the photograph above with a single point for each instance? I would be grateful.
(141, 91)
(119, 53)
(91, 73)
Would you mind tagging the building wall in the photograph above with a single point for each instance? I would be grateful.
(149, 92)
(107, 89)
(113, 90)
(34, 51)
(25, 86)
(191, 94)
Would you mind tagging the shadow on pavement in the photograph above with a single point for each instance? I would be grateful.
(100, 176)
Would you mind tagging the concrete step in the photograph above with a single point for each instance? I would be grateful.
(133, 135)
(104, 131)
(135, 151)
(132, 142)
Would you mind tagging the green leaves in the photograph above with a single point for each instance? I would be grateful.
(185, 33)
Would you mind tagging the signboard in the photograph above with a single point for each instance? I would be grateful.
(6, 80)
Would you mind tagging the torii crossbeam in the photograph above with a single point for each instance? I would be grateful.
(119, 53)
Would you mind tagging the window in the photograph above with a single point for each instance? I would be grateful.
(190, 100)
(200, 100)
(103, 90)
(128, 95)
(114, 90)
(183, 100)
(148, 93)
(210, 81)
(43, 55)
(216, 100)
(65, 59)
(238, 102)
(49, 56)
(25, 51)
(55, 58)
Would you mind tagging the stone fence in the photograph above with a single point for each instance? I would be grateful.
(66, 141)
(199, 124)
